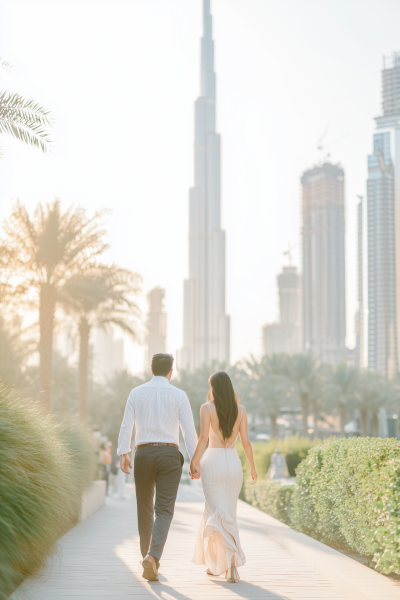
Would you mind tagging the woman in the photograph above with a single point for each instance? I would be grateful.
(222, 420)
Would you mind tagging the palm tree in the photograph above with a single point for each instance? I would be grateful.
(375, 392)
(43, 252)
(107, 403)
(241, 380)
(318, 394)
(14, 351)
(104, 295)
(342, 386)
(396, 394)
(195, 384)
(23, 119)
(269, 390)
(303, 372)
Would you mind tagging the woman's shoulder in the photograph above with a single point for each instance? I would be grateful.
(205, 407)
(241, 410)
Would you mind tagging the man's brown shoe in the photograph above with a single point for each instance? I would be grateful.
(150, 571)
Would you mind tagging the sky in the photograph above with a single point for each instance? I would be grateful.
(120, 78)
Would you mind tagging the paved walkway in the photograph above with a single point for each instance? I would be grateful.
(100, 559)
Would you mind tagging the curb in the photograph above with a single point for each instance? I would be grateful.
(93, 499)
(354, 580)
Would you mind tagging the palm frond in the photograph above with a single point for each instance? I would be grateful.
(6, 65)
(25, 120)
(106, 295)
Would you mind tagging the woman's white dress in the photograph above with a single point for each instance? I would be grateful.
(218, 536)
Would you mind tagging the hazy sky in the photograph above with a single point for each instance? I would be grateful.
(121, 77)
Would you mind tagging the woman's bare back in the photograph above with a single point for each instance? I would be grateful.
(216, 439)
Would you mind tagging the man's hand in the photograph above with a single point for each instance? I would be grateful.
(194, 470)
(125, 463)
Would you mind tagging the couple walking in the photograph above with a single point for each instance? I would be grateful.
(157, 409)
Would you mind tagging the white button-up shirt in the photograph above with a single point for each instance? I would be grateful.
(157, 409)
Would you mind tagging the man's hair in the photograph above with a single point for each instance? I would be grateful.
(161, 364)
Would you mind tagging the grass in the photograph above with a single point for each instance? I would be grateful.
(44, 468)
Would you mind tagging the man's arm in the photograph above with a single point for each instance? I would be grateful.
(187, 427)
(125, 435)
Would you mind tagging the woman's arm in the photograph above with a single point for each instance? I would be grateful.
(248, 450)
(205, 418)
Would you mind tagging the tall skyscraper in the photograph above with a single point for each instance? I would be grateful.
(383, 214)
(285, 336)
(206, 326)
(359, 353)
(156, 325)
(289, 286)
(324, 304)
(107, 354)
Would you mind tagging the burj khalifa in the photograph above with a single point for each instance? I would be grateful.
(206, 326)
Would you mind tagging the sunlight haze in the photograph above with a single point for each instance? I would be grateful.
(120, 78)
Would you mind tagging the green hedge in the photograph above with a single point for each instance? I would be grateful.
(348, 494)
(295, 449)
(44, 468)
(270, 497)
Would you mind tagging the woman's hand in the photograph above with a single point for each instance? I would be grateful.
(194, 470)
(253, 474)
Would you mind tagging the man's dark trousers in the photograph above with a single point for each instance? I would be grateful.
(159, 467)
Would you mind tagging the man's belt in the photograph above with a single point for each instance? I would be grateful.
(156, 444)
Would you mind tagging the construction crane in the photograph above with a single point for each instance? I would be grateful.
(320, 144)
(288, 253)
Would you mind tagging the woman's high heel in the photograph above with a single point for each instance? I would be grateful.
(232, 575)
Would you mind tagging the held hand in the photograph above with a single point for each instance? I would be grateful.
(125, 463)
(194, 470)
(253, 474)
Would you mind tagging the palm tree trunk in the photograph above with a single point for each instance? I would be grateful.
(84, 333)
(315, 412)
(342, 412)
(46, 325)
(274, 426)
(363, 422)
(304, 408)
(375, 424)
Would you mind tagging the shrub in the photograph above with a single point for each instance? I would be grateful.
(44, 468)
(348, 493)
(270, 497)
(295, 449)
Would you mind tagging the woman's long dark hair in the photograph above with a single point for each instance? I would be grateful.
(225, 401)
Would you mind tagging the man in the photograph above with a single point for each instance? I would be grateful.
(157, 409)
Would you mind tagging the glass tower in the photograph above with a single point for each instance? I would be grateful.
(206, 326)
(383, 218)
(324, 300)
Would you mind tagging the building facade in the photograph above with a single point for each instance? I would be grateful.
(206, 326)
(323, 239)
(285, 336)
(383, 217)
(156, 325)
(359, 349)
(289, 286)
(382, 321)
(107, 354)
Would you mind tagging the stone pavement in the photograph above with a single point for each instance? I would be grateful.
(100, 557)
